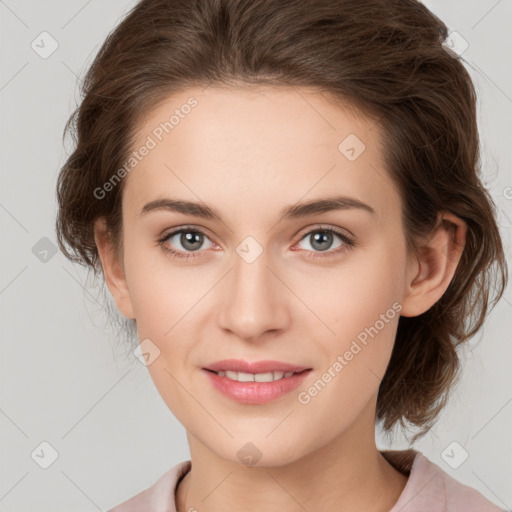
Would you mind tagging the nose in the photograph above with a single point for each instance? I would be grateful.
(254, 300)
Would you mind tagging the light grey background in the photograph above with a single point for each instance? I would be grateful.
(61, 381)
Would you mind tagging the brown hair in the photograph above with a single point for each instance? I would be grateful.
(384, 57)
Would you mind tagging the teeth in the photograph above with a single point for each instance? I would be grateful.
(254, 377)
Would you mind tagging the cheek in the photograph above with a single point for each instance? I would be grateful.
(159, 291)
(166, 302)
(353, 295)
(359, 302)
(166, 380)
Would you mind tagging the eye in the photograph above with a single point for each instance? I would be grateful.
(321, 242)
(190, 239)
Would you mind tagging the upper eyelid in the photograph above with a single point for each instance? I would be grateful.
(326, 227)
(177, 231)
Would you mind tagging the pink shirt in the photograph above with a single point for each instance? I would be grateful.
(428, 489)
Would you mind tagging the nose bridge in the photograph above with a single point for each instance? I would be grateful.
(253, 302)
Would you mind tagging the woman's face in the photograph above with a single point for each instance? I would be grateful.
(257, 284)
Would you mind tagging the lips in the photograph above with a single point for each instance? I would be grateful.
(259, 391)
(239, 365)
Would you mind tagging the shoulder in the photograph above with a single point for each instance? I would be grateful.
(160, 496)
(430, 489)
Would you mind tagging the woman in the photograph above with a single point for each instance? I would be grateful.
(220, 143)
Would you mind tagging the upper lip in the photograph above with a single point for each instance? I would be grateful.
(239, 365)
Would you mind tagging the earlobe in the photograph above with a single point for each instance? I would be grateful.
(113, 270)
(430, 274)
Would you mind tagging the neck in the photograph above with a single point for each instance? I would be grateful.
(346, 474)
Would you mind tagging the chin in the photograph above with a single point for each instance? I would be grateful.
(264, 454)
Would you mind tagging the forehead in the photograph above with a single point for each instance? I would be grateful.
(258, 147)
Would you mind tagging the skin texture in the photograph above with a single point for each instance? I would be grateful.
(249, 153)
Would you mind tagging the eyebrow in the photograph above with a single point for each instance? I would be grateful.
(296, 211)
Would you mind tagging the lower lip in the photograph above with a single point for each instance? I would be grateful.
(256, 392)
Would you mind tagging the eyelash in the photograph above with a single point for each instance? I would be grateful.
(349, 242)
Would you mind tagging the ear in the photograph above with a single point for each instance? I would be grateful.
(430, 274)
(113, 268)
